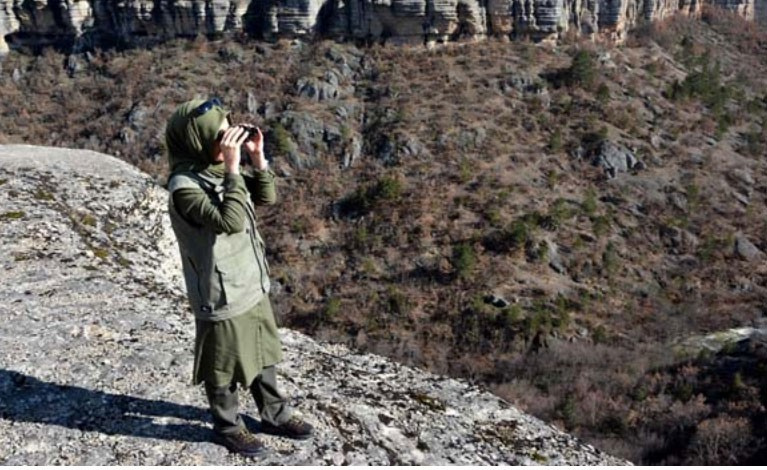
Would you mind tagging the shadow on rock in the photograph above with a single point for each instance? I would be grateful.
(26, 399)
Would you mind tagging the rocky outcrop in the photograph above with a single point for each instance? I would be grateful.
(760, 11)
(615, 158)
(84, 23)
(727, 340)
(96, 339)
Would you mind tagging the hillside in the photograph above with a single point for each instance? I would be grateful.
(96, 346)
(548, 220)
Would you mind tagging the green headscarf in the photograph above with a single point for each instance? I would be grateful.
(190, 138)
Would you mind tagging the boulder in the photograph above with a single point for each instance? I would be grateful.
(555, 259)
(317, 89)
(615, 158)
(522, 83)
(745, 249)
(251, 103)
(743, 176)
(678, 240)
(496, 301)
(352, 152)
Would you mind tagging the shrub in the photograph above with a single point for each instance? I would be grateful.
(583, 70)
(464, 260)
(493, 215)
(298, 225)
(512, 314)
(560, 212)
(599, 334)
(555, 141)
(282, 141)
(593, 139)
(603, 94)
(43, 195)
(756, 141)
(552, 178)
(565, 410)
(388, 188)
(332, 309)
(737, 383)
(361, 238)
(705, 83)
(601, 225)
(589, 204)
(723, 123)
(398, 303)
(510, 238)
(88, 219)
(346, 133)
(615, 423)
(693, 196)
(539, 322)
(610, 260)
(563, 319)
(722, 441)
(12, 215)
(712, 245)
(367, 197)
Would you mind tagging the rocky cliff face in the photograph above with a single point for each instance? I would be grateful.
(96, 345)
(86, 22)
(760, 12)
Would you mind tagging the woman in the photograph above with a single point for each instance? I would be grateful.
(212, 213)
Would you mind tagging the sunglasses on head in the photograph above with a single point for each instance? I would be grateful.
(206, 106)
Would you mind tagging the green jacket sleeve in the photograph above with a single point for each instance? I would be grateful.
(260, 184)
(229, 217)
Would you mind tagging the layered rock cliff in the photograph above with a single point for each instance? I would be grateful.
(760, 12)
(81, 23)
(96, 348)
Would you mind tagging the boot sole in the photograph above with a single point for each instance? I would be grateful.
(243, 453)
(301, 437)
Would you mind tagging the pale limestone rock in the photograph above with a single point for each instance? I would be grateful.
(411, 21)
(46, 20)
(744, 8)
(134, 22)
(291, 17)
(760, 11)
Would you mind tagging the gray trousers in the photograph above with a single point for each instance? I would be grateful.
(271, 403)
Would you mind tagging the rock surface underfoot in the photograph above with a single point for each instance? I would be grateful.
(96, 339)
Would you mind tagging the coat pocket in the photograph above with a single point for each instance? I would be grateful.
(238, 278)
(217, 297)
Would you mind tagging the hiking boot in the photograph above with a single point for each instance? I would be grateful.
(241, 442)
(294, 428)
